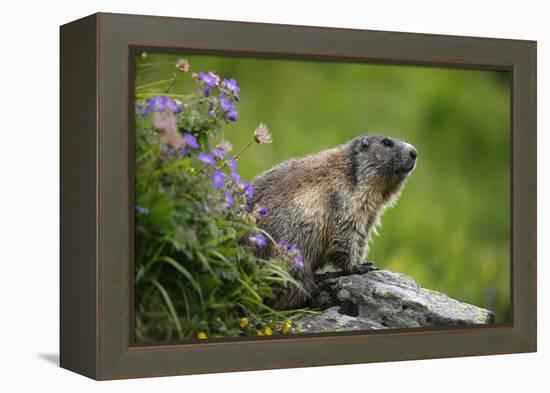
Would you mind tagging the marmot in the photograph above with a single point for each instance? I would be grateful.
(327, 204)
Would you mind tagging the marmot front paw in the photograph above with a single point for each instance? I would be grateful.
(363, 268)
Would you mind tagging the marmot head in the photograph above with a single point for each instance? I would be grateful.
(381, 162)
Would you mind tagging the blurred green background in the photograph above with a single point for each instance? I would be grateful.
(450, 228)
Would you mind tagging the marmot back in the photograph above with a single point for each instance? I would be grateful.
(328, 203)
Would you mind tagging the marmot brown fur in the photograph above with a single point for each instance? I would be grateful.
(327, 204)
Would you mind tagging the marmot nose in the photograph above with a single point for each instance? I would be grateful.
(413, 153)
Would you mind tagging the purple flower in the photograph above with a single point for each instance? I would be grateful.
(259, 239)
(263, 211)
(206, 91)
(299, 262)
(184, 151)
(218, 179)
(141, 110)
(228, 108)
(289, 246)
(212, 112)
(248, 190)
(207, 158)
(191, 140)
(291, 252)
(209, 79)
(219, 153)
(160, 104)
(228, 198)
(234, 175)
(232, 164)
(231, 115)
(225, 103)
(231, 85)
(292, 248)
(154, 104)
(171, 105)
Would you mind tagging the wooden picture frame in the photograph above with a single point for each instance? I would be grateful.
(97, 209)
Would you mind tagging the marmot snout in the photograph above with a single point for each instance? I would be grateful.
(327, 204)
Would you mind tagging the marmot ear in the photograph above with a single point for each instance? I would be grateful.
(366, 141)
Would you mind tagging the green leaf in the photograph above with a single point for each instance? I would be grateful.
(204, 261)
(170, 306)
(161, 211)
(182, 270)
(228, 274)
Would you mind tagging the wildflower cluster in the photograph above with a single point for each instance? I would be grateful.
(159, 104)
(288, 251)
(261, 329)
(273, 327)
(219, 96)
(196, 275)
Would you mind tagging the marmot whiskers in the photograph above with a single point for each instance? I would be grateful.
(327, 204)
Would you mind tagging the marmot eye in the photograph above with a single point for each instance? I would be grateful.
(387, 142)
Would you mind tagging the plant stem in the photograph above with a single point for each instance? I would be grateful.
(152, 84)
(243, 149)
(171, 84)
(147, 95)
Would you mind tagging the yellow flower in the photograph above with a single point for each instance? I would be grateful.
(250, 218)
(286, 327)
(260, 333)
(243, 322)
(268, 331)
(202, 335)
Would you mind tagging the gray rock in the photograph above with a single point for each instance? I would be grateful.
(381, 299)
